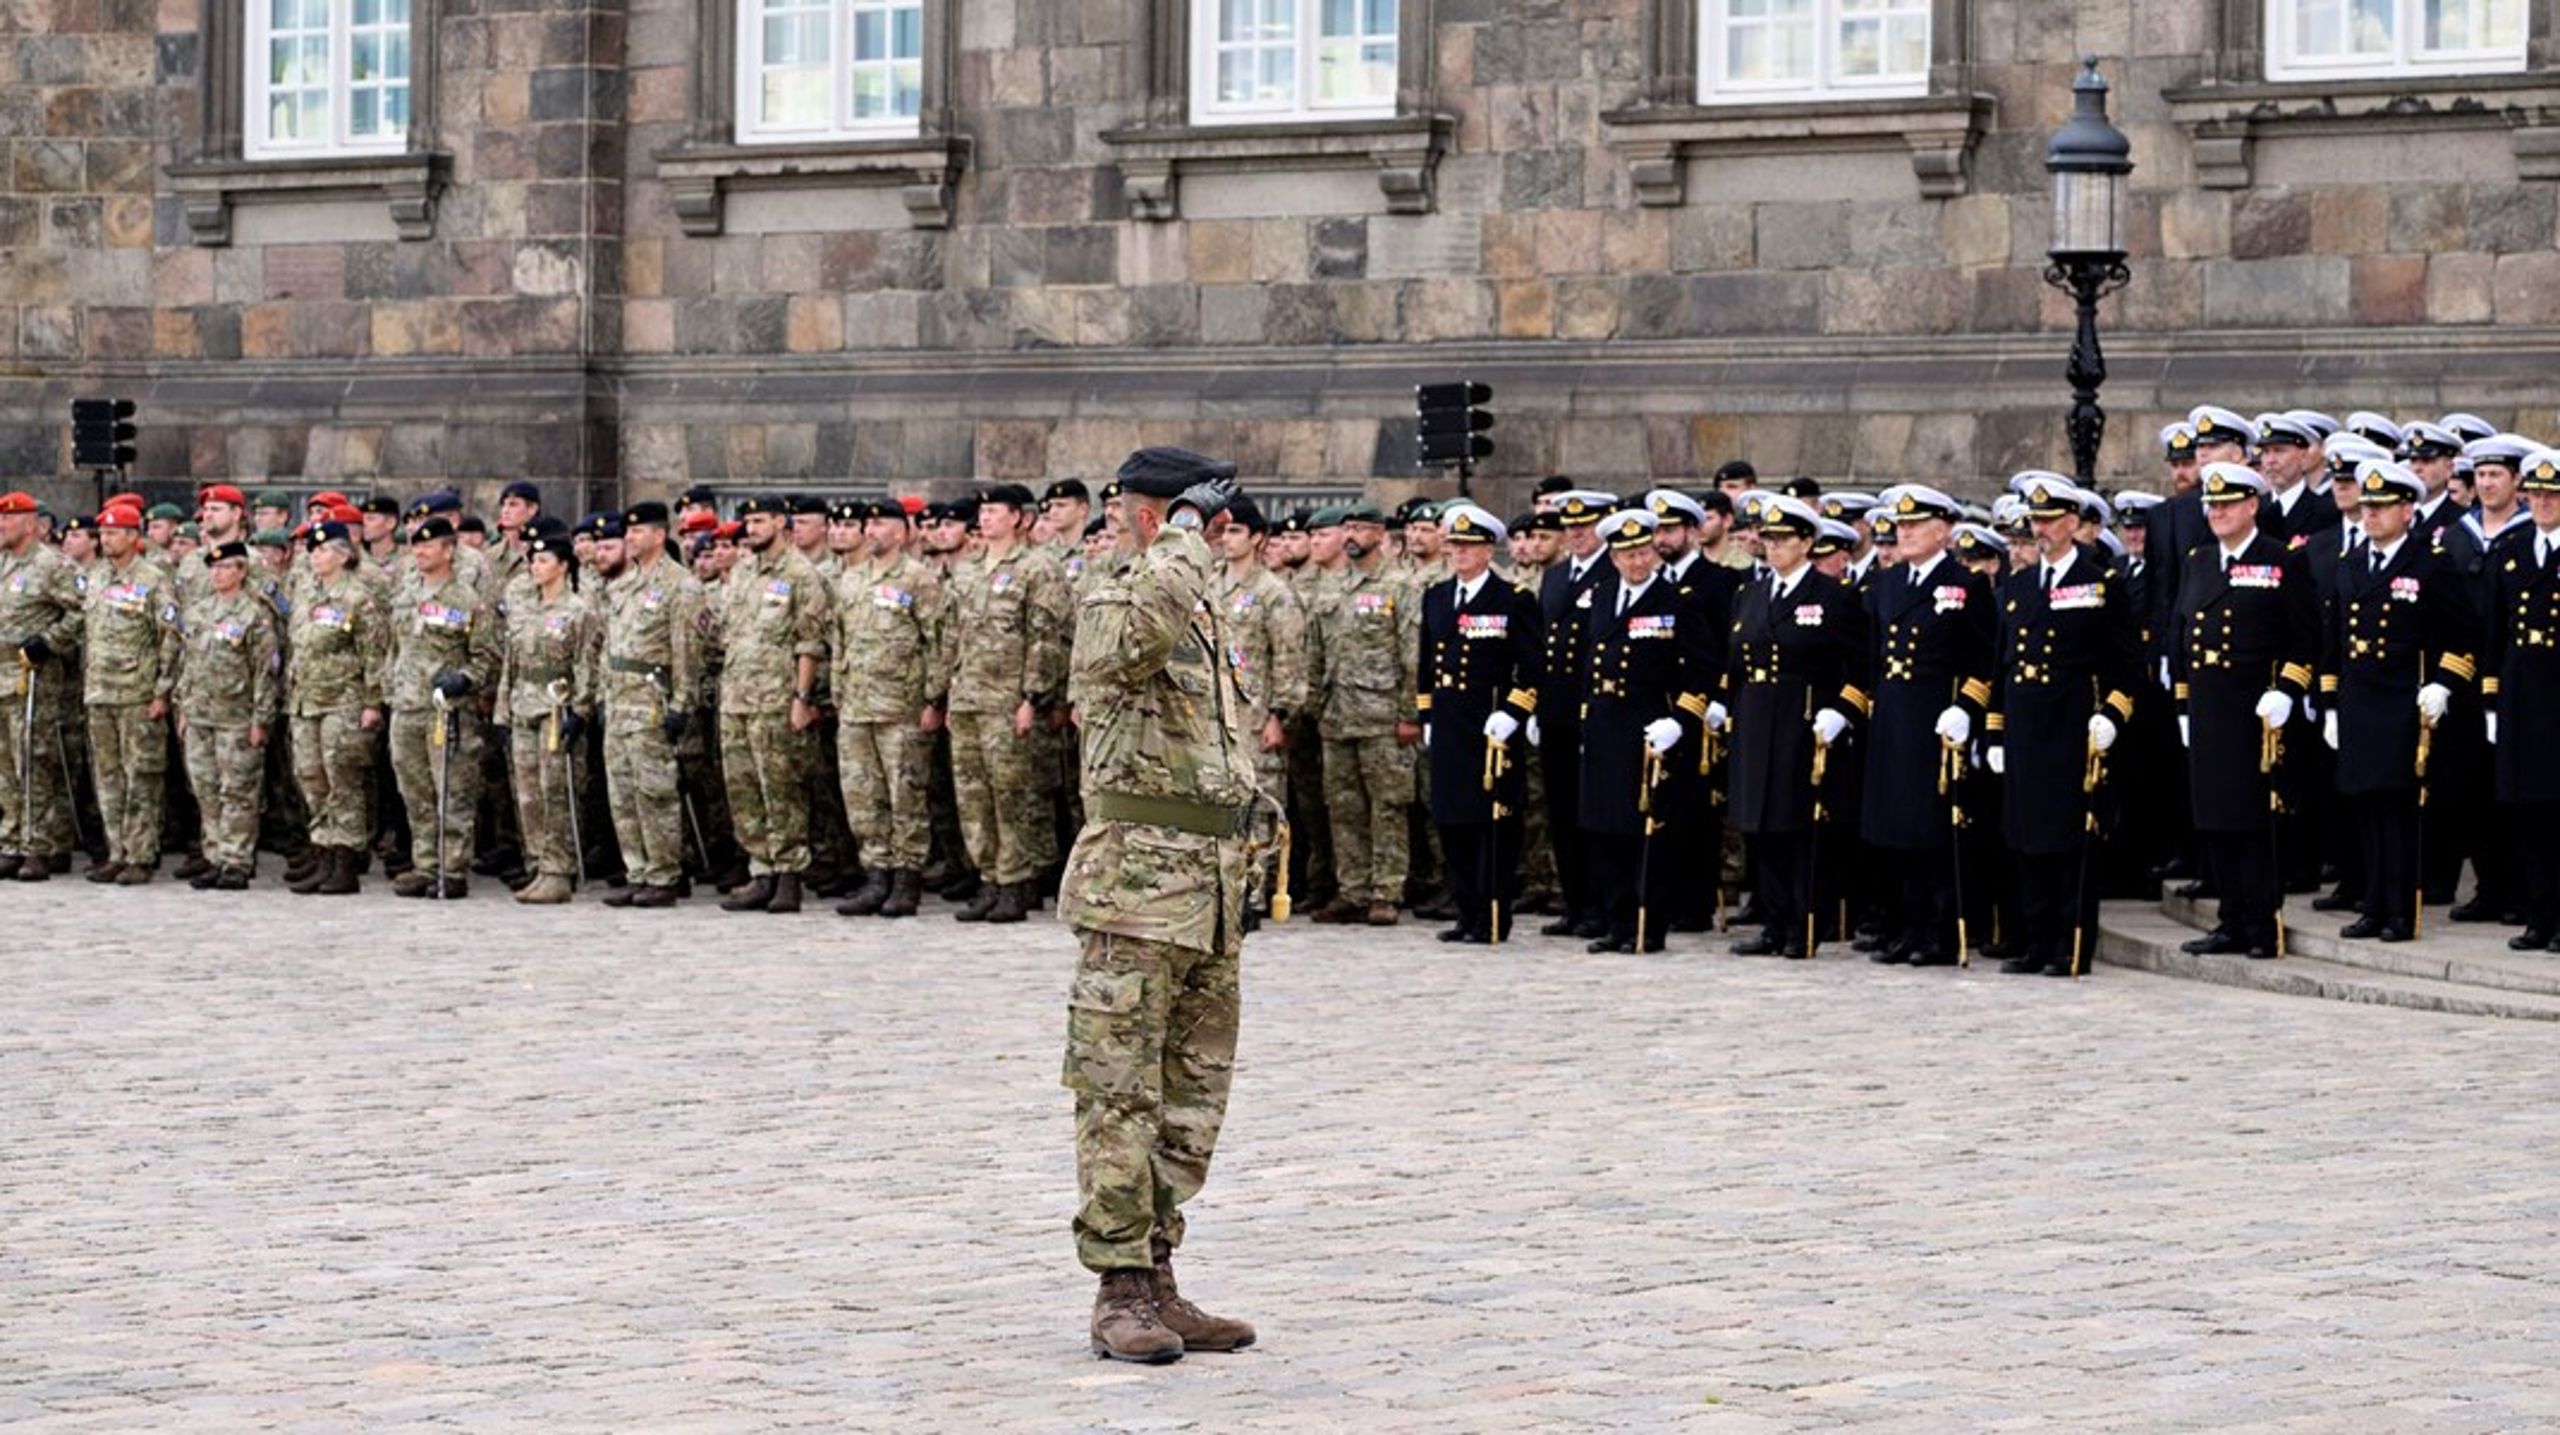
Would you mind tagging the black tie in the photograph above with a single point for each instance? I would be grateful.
(2048, 577)
(2375, 554)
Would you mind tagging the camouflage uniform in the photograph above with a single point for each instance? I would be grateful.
(133, 648)
(1367, 630)
(40, 597)
(653, 664)
(1267, 647)
(440, 627)
(773, 614)
(230, 681)
(1003, 642)
(549, 667)
(337, 664)
(887, 621)
(1155, 889)
(284, 820)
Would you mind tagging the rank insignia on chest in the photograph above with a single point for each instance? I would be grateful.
(1949, 599)
(1000, 582)
(778, 588)
(2257, 575)
(2077, 596)
(557, 625)
(1235, 656)
(1370, 604)
(231, 632)
(890, 596)
(328, 617)
(1809, 616)
(1657, 625)
(1483, 625)
(124, 597)
(1242, 603)
(2404, 590)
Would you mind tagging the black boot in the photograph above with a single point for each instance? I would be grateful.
(1012, 902)
(786, 894)
(979, 905)
(754, 897)
(906, 892)
(345, 865)
(869, 898)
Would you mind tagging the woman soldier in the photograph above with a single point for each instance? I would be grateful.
(338, 647)
(229, 691)
(546, 691)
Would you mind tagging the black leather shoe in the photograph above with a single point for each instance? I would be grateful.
(1606, 944)
(2361, 930)
(1874, 943)
(2215, 943)
(2338, 901)
(1565, 926)
(2397, 933)
(1889, 955)
(2475, 910)
(1592, 927)
(2195, 890)
(2532, 939)
(1454, 934)
(1764, 945)
(1923, 957)
(2063, 969)
(2025, 967)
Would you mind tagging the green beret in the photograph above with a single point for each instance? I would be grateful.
(1329, 516)
(272, 498)
(270, 537)
(1362, 511)
(169, 511)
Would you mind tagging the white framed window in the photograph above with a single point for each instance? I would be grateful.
(326, 77)
(1264, 60)
(829, 69)
(1753, 51)
(2350, 39)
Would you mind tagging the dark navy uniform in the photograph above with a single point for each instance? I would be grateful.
(1479, 657)
(1706, 590)
(1564, 612)
(2520, 678)
(1934, 637)
(1645, 663)
(2246, 627)
(2466, 821)
(1790, 658)
(2068, 652)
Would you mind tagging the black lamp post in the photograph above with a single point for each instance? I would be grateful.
(2088, 159)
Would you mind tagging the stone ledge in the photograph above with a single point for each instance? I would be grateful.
(923, 169)
(1939, 130)
(408, 183)
(2137, 935)
(1406, 151)
(2225, 121)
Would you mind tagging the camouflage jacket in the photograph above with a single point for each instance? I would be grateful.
(134, 634)
(438, 627)
(1365, 638)
(337, 648)
(888, 620)
(1161, 719)
(232, 674)
(558, 642)
(657, 643)
(41, 596)
(1266, 642)
(1005, 633)
(773, 614)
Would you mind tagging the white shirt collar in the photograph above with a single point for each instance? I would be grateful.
(2054, 570)
(1680, 570)
(1787, 582)
(1920, 571)
(1579, 566)
(2389, 553)
(2232, 555)
(1628, 597)
(1468, 589)
(2289, 497)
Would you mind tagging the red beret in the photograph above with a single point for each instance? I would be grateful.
(121, 499)
(730, 530)
(913, 503)
(17, 503)
(699, 521)
(223, 493)
(327, 498)
(343, 512)
(116, 515)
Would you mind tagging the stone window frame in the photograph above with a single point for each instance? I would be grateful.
(1404, 149)
(1667, 126)
(702, 168)
(1827, 19)
(2233, 105)
(217, 174)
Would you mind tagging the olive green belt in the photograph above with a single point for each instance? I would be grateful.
(1208, 819)
(634, 665)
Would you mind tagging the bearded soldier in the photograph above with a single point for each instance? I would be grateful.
(774, 637)
(132, 645)
(1155, 891)
(655, 659)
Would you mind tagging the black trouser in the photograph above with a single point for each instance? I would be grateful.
(1628, 881)
(1560, 761)
(2048, 884)
(1925, 917)
(2387, 829)
(1696, 849)
(1484, 867)
(2244, 875)
(1782, 885)
(2537, 829)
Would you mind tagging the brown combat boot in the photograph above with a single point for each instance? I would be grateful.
(1012, 901)
(1125, 1326)
(345, 866)
(545, 891)
(653, 897)
(867, 899)
(1341, 911)
(786, 894)
(906, 892)
(1199, 1329)
(134, 874)
(754, 897)
(412, 883)
(1382, 914)
(981, 904)
(321, 865)
(9, 865)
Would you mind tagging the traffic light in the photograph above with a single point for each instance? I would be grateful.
(102, 433)
(1451, 420)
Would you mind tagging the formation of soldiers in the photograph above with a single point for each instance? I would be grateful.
(1924, 726)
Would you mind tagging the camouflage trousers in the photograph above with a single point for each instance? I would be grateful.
(35, 808)
(415, 761)
(886, 767)
(1368, 784)
(1151, 1050)
(230, 780)
(640, 773)
(1004, 815)
(130, 753)
(767, 765)
(541, 786)
(333, 765)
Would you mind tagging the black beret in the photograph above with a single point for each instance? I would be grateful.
(383, 504)
(808, 503)
(649, 514)
(545, 526)
(762, 503)
(937, 512)
(557, 545)
(1166, 472)
(521, 489)
(1734, 468)
(1067, 488)
(1555, 483)
(1801, 488)
(332, 533)
(700, 493)
(849, 510)
(1716, 500)
(1012, 495)
(1544, 521)
(608, 525)
(433, 528)
(224, 552)
(471, 523)
(1249, 513)
(1095, 525)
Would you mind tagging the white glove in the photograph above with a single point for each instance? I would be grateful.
(1955, 725)
(2493, 729)
(2164, 673)
(2102, 731)
(2186, 731)
(1828, 724)
(1662, 734)
(2275, 709)
(1426, 737)
(1717, 718)
(1500, 726)
(2329, 729)
(2433, 701)
(1997, 759)
(1532, 729)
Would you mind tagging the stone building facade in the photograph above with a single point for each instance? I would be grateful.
(579, 266)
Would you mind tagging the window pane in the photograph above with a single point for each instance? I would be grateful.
(395, 59)
(1907, 45)
(1382, 17)
(910, 89)
(395, 12)
(870, 93)
(315, 14)
(364, 109)
(870, 35)
(2370, 30)
(395, 110)
(282, 13)
(1339, 17)
(315, 62)
(1861, 47)
(364, 58)
(1279, 75)
(367, 12)
(795, 98)
(907, 43)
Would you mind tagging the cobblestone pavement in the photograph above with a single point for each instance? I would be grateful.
(276, 1162)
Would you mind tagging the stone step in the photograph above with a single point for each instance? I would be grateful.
(2136, 935)
(2471, 955)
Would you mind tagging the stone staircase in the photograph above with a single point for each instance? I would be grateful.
(2459, 970)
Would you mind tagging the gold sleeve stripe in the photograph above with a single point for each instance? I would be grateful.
(2489, 685)
(1525, 699)
(1422, 702)
(2298, 674)
(1853, 697)
(2123, 704)
(2179, 692)
(1978, 691)
(2328, 682)
(2460, 665)
(1694, 704)
(1995, 722)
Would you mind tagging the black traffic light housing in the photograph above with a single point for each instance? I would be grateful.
(1450, 420)
(102, 433)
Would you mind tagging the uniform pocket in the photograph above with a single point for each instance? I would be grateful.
(1107, 1050)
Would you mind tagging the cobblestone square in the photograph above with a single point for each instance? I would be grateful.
(276, 1163)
